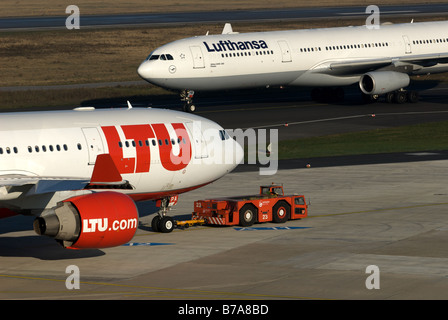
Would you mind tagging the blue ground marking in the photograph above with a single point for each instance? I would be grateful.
(135, 244)
(269, 228)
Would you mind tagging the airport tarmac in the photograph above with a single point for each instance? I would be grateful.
(390, 215)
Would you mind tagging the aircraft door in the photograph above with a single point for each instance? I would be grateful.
(286, 53)
(94, 143)
(407, 44)
(200, 145)
(198, 58)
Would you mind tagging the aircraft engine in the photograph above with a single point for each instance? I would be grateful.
(97, 220)
(379, 82)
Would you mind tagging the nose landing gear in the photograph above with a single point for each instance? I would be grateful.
(187, 97)
(161, 222)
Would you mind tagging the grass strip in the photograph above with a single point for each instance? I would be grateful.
(412, 138)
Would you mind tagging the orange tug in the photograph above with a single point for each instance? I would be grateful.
(270, 205)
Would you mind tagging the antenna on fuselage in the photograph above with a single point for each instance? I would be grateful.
(129, 105)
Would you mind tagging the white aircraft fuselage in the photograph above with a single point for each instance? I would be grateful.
(311, 57)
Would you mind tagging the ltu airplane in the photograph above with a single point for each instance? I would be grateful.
(80, 171)
(380, 60)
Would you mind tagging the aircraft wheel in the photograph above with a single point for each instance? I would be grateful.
(155, 223)
(400, 97)
(390, 97)
(166, 225)
(191, 108)
(412, 96)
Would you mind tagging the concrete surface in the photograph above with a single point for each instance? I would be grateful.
(393, 216)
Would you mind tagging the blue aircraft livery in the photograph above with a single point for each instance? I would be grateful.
(231, 45)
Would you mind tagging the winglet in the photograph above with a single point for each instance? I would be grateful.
(105, 171)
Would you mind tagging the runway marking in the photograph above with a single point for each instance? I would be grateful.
(369, 115)
(312, 121)
(268, 228)
(135, 244)
(162, 291)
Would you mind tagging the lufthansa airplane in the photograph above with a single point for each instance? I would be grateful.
(80, 171)
(379, 59)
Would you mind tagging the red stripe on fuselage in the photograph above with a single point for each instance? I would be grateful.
(141, 134)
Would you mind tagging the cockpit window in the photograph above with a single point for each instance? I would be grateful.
(166, 57)
(160, 57)
(224, 135)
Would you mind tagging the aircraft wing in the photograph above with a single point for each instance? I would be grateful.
(359, 66)
(104, 173)
(39, 185)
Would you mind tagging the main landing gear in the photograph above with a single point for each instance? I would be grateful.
(163, 223)
(336, 95)
(398, 96)
(187, 97)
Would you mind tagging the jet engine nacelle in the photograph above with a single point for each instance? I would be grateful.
(379, 82)
(97, 220)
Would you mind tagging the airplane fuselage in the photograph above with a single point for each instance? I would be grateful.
(159, 153)
(296, 57)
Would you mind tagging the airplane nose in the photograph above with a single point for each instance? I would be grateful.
(144, 70)
(239, 153)
(237, 156)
